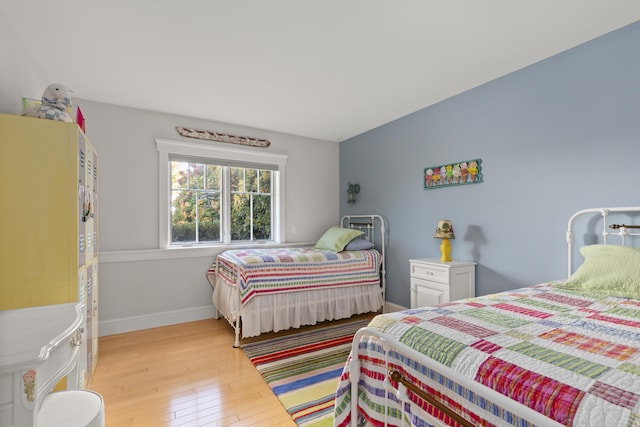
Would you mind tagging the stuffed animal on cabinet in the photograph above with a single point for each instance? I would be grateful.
(56, 104)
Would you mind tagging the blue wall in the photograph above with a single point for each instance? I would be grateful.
(555, 137)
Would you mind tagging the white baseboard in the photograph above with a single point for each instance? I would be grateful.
(390, 307)
(155, 320)
(135, 323)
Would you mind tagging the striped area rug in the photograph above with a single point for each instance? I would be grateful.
(303, 369)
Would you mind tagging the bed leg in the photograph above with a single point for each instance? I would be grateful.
(236, 343)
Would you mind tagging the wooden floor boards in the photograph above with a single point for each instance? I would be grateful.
(183, 375)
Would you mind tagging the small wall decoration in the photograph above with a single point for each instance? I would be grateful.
(457, 173)
(223, 137)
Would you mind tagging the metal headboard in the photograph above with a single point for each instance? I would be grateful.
(622, 230)
(374, 228)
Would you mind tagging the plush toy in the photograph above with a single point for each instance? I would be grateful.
(56, 103)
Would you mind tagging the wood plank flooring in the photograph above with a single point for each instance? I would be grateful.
(183, 375)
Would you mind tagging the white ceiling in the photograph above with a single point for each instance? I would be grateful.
(327, 69)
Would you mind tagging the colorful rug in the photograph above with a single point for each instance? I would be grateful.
(303, 369)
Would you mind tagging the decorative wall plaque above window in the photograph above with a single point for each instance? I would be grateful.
(223, 137)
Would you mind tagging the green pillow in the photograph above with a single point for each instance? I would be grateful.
(607, 269)
(336, 238)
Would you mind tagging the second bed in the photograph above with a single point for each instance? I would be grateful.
(262, 290)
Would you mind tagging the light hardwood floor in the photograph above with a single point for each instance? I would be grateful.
(183, 375)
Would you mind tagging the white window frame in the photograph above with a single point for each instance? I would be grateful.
(167, 147)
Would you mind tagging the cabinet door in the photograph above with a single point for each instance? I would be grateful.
(427, 293)
(463, 283)
(37, 218)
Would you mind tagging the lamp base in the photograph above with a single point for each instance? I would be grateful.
(445, 250)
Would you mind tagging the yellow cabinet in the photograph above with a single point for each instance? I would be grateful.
(48, 221)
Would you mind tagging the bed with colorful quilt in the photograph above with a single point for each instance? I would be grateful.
(262, 290)
(559, 353)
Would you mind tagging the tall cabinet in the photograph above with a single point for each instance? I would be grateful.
(48, 222)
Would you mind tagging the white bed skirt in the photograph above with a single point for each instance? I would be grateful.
(277, 312)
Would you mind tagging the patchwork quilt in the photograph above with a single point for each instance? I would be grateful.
(573, 357)
(278, 270)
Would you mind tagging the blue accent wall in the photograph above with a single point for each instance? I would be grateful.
(555, 137)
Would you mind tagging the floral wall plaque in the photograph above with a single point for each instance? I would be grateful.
(457, 173)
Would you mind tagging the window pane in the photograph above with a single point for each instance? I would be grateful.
(209, 217)
(251, 180)
(265, 181)
(213, 177)
(261, 217)
(183, 226)
(179, 175)
(240, 217)
(237, 179)
(196, 176)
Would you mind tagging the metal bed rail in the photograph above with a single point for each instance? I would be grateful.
(623, 230)
(372, 226)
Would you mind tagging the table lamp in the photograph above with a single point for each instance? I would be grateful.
(444, 231)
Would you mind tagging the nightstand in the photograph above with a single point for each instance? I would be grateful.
(434, 282)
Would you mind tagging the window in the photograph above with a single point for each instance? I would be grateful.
(197, 204)
(211, 195)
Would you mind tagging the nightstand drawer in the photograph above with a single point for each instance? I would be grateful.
(430, 272)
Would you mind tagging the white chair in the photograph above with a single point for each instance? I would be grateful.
(71, 408)
(38, 347)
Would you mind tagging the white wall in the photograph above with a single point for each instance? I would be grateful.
(20, 74)
(141, 286)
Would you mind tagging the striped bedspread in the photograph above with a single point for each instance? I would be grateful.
(573, 357)
(278, 270)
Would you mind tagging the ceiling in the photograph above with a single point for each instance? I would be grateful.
(327, 69)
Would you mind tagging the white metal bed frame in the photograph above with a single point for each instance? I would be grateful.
(604, 212)
(373, 226)
(516, 408)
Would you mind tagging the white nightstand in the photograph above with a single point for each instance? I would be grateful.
(434, 282)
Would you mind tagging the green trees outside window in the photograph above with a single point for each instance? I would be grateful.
(197, 195)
